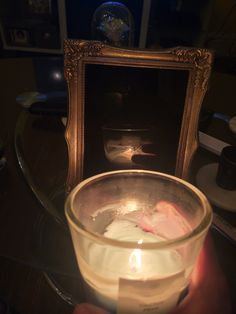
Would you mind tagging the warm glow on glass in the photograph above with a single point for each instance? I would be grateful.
(137, 238)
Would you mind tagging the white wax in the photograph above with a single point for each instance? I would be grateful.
(108, 264)
(139, 263)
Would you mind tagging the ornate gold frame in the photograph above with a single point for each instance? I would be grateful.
(78, 53)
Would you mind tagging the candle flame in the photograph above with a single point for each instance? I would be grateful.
(131, 206)
(135, 260)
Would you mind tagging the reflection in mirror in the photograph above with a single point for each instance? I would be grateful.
(134, 119)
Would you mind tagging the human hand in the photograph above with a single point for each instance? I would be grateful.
(208, 291)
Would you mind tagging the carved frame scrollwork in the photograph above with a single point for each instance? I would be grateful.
(78, 53)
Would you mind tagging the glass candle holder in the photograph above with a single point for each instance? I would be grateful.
(136, 235)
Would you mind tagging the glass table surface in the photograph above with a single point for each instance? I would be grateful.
(36, 233)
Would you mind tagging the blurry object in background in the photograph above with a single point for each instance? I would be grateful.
(52, 103)
(216, 130)
(3, 159)
(113, 24)
(49, 75)
(40, 6)
(50, 95)
(206, 181)
(178, 23)
(221, 35)
(218, 180)
(226, 173)
(232, 124)
(207, 116)
(33, 25)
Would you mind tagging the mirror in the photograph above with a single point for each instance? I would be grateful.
(132, 108)
(135, 119)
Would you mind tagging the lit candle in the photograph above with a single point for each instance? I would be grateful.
(111, 273)
(136, 236)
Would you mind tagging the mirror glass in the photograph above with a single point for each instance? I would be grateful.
(134, 119)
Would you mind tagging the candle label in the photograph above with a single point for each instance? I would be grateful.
(157, 296)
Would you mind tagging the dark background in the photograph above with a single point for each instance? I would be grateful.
(195, 23)
(207, 24)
